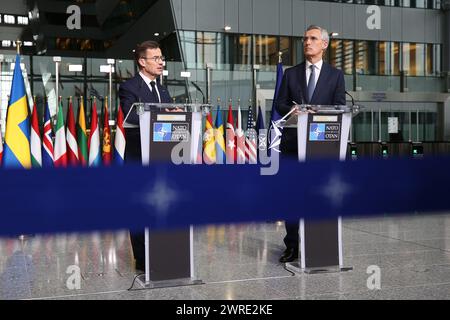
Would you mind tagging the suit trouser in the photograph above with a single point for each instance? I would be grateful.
(289, 151)
(133, 156)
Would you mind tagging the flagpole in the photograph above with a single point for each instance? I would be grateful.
(250, 106)
(18, 43)
(22, 237)
(57, 84)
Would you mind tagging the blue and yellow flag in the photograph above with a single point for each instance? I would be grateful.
(219, 138)
(17, 133)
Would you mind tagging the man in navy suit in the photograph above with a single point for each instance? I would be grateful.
(143, 87)
(310, 82)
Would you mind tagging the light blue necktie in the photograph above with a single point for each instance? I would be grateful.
(311, 83)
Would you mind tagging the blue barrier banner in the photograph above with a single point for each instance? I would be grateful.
(170, 196)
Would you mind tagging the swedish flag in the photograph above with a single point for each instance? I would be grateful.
(17, 133)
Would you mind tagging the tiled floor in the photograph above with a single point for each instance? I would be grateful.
(239, 262)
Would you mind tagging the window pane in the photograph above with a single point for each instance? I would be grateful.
(231, 49)
(336, 53)
(187, 40)
(395, 58)
(388, 58)
(245, 48)
(298, 51)
(348, 56)
(285, 48)
(429, 60)
(266, 52)
(414, 59)
(405, 57)
(437, 59)
(384, 58)
(433, 62)
(365, 57)
(417, 3)
(209, 48)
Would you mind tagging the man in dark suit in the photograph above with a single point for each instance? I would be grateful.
(143, 87)
(310, 82)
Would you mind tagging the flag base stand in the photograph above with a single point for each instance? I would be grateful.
(166, 283)
(24, 237)
(297, 269)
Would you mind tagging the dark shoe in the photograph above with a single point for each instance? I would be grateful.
(289, 255)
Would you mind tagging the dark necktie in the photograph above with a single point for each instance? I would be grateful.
(311, 83)
(155, 94)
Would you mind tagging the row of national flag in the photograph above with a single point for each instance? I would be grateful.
(25, 147)
(229, 144)
(70, 145)
(234, 146)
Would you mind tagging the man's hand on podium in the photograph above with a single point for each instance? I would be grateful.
(177, 109)
(297, 110)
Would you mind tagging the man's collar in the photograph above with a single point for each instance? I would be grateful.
(147, 80)
(318, 64)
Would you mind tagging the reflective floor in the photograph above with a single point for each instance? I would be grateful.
(238, 262)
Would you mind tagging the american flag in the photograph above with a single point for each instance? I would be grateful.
(47, 140)
(250, 139)
(240, 139)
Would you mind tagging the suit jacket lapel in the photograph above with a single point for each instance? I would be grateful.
(321, 81)
(162, 93)
(144, 91)
(303, 87)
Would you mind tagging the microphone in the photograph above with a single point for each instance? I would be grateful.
(353, 100)
(198, 88)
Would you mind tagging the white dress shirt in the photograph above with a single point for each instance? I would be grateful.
(147, 81)
(318, 67)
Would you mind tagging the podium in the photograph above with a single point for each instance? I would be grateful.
(322, 132)
(169, 255)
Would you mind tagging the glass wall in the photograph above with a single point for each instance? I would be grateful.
(381, 58)
(365, 57)
(368, 66)
(266, 50)
(415, 123)
(388, 58)
(40, 80)
(414, 59)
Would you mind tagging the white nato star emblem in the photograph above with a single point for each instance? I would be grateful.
(335, 190)
(160, 197)
(162, 132)
(317, 132)
(275, 136)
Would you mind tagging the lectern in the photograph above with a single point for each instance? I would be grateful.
(169, 255)
(322, 132)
